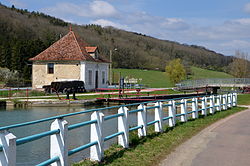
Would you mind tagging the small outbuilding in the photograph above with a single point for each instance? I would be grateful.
(68, 59)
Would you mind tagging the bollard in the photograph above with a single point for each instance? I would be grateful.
(158, 116)
(8, 153)
(204, 106)
(194, 108)
(211, 105)
(96, 134)
(184, 110)
(123, 139)
(59, 142)
(142, 120)
(172, 113)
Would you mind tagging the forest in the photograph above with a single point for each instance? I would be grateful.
(24, 34)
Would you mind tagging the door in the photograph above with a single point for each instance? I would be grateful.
(96, 79)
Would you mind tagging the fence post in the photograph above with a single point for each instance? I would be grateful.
(204, 106)
(231, 100)
(158, 116)
(194, 108)
(184, 110)
(59, 142)
(218, 103)
(8, 152)
(234, 99)
(224, 107)
(172, 113)
(142, 120)
(211, 105)
(123, 139)
(96, 134)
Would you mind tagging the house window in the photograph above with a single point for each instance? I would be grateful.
(103, 77)
(90, 77)
(50, 68)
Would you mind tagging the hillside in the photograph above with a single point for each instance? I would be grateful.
(158, 79)
(24, 34)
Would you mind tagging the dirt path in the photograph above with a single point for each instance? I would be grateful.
(224, 143)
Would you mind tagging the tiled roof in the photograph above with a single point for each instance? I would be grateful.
(90, 49)
(68, 48)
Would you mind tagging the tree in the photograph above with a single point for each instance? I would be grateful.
(176, 71)
(240, 66)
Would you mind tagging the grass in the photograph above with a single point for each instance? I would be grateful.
(244, 99)
(159, 79)
(151, 149)
(150, 78)
(199, 73)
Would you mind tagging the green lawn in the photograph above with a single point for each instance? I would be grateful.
(244, 99)
(199, 73)
(155, 79)
(151, 149)
(158, 79)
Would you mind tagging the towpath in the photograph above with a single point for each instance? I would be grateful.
(225, 143)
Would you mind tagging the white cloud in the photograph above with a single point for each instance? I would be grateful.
(247, 8)
(102, 9)
(95, 9)
(105, 23)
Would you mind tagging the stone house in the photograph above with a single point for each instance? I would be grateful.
(68, 59)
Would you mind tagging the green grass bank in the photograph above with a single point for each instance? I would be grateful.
(151, 149)
(159, 79)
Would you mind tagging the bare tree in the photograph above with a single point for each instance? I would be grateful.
(240, 65)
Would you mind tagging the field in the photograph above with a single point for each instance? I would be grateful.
(158, 79)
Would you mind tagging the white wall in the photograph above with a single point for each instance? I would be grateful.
(94, 66)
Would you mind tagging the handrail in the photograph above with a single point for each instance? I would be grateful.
(86, 111)
(212, 104)
(36, 136)
(48, 162)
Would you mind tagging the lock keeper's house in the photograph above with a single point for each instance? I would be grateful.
(68, 59)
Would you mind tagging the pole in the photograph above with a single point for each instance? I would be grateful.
(110, 68)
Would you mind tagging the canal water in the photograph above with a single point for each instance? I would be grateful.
(37, 151)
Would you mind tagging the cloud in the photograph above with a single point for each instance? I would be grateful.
(95, 9)
(105, 23)
(247, 8)
(102, 9)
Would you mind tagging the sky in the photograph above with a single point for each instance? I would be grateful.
(219, 25)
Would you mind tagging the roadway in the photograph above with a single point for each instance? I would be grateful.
(225, 143)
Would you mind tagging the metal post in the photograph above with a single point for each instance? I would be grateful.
(123, 139)
(96, 134)
(158, 117)
(110, 68)
(8, 152)
(59, 142)
(142, 120)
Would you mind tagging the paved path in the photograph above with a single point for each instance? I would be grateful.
(225, 143)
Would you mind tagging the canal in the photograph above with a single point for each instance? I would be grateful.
(37, 151)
